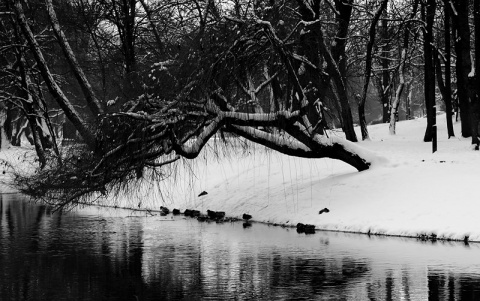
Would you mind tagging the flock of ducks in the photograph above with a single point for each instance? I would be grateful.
(219, 216)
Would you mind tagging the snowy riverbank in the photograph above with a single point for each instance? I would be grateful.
(413, 192)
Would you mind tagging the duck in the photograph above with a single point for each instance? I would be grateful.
(326, 210)
(211, 214)
(246, 216)
(164, 210)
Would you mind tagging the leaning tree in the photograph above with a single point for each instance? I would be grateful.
(256, 53)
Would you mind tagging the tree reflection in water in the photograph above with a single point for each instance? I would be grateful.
(115, 256)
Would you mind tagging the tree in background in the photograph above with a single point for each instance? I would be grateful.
(402, 66)
(428, 16)
(446, 88)
(475, 79)
(368, 69)
(463, 63)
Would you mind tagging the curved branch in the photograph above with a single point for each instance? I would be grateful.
(283, 144)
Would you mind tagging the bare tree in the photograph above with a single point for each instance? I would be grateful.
(337, 61)
(401, 70)
(448, 73)
(475, 79)
(368, 69)
(428, 16)
(463, 61)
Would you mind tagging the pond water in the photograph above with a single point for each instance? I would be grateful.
(105, 254)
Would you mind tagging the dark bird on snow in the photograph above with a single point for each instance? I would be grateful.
(212, 214)
(246, 216)
(324, 210)
(176, 211)
(164, 210)
(202, 193)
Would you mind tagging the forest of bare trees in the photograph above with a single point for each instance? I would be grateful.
(138, 84)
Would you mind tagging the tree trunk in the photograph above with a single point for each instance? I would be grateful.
(408, 101)
(344, 9)
(30, 113)
(368, 69)
(339, 69)
(385, 79)
(124, 12)
(448, 73)
(475, 80)
(313, 76)
(398, 92)
(463, 62)
(401, 72)
(428, 15)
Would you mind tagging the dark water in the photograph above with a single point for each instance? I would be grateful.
(102, 254)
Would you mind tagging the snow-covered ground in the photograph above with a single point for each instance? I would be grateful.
(413, 192)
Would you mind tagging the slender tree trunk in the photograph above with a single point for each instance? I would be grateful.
(30, 113)
(475, 80)
(448, 73)
(368, 69)
(428, 15)
(341, 89)
(361, 117)
(344, 9)
(124, 14)
(398, 93)
(401, 72)
(444, 90)
(48, 121)
(385, 79)
(463, 62)
(338, 53)
(313, 75)
(408, 101)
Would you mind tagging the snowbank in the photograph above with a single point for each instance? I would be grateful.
(412, 192)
